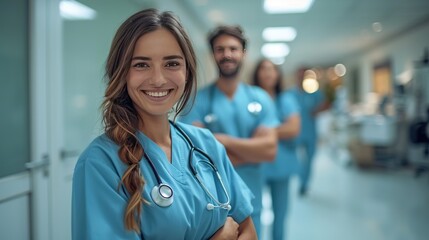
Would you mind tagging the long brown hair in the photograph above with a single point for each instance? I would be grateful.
(120, 118)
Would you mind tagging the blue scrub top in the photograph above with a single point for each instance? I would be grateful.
(234, 119)
(99, 201)
(308, 103)
(286, 162)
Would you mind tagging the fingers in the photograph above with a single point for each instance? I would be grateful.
(233, 225)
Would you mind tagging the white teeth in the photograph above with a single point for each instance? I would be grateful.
(156, 94)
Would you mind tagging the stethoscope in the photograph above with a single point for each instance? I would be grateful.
(163, 195)
(254, 107)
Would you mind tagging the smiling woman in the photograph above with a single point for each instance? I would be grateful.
(157, 76)
(125, 181)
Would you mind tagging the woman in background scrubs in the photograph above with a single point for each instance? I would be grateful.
(311, 102)
(277, 174)
(150, 69)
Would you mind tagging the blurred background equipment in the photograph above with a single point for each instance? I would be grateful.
(419, 126)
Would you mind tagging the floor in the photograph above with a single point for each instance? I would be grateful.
(350, 203)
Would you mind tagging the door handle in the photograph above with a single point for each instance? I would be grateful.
(69, 153)
(38, 164)
(44, 163)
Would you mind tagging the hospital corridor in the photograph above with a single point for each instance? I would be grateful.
(348, 202)
(214, 119)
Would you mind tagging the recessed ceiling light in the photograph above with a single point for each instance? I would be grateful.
(74, 10)
(275, 50)
(310, 85)
(340, 70)
(278, 60)
(377, 27)
(287, 6)
(273, 34)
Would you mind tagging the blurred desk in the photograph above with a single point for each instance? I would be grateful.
(374, 140)
(378, 130)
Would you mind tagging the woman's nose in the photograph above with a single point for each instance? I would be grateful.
(158, 78)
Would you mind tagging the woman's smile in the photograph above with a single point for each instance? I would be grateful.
(157, 94)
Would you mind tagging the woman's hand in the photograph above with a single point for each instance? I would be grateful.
(228, 231)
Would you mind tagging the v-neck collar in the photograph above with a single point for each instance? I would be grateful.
(237, 92)
(159, 158)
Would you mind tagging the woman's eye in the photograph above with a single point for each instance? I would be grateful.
(173, 64)
(140, 65)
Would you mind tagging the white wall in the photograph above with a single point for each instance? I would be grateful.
(401, 50)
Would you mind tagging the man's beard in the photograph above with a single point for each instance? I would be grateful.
(232, 73)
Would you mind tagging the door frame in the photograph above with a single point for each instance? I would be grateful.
(46, 118)
(34, 183)
(40, 176)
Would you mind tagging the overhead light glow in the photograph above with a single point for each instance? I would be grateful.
(278, 60)
(275, 50)
(74, 10)
(340, 70)
(287, 6)
(310, 85)
(310, 74)
(273, 34)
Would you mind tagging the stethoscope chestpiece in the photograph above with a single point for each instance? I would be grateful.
(162, 195)
(254, 108)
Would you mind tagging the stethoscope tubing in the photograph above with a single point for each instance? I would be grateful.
(193, 149)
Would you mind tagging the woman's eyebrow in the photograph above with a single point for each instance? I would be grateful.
(140, 58)
(165, 58)
(173, 57)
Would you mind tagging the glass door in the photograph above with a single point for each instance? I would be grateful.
(24, 160)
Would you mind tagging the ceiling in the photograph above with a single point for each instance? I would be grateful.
(330, 31)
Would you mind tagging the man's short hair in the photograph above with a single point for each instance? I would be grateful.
(234, 31)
